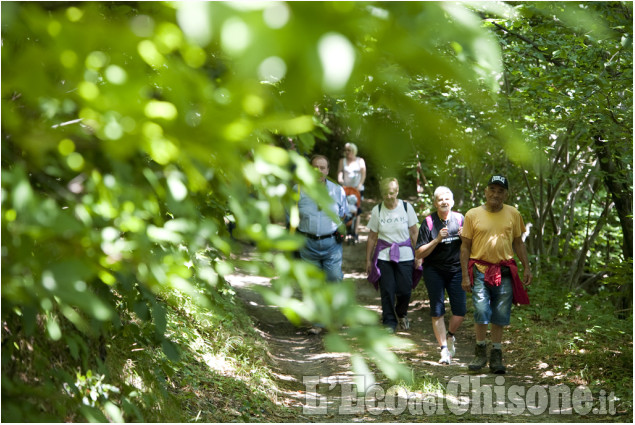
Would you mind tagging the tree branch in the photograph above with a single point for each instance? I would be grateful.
(545, 55)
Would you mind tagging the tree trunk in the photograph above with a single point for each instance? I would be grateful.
(577, 268)
(617, 180)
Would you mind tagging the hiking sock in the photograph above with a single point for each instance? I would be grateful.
(497, 346)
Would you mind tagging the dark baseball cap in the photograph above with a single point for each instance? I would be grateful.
(499, 180)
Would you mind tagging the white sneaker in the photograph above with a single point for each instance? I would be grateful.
(404, 323)
(446, 358)
(450, 341)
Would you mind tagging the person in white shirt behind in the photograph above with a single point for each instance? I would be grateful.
(351, 172)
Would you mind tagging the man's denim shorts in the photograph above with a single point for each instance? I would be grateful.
(492, 304)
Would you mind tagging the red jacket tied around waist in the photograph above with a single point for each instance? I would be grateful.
(493, 277)
(375, 274)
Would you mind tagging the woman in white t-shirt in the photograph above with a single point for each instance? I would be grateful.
(390, 259)
(351, 172)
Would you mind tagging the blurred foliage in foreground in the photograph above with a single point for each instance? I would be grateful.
(133, 132)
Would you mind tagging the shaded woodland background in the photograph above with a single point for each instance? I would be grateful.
(133, 133)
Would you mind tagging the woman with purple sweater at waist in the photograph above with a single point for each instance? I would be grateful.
(390, 259)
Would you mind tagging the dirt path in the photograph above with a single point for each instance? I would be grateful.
(447, 393)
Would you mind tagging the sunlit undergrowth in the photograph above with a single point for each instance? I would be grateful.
(222, 371)
(570, 337)
(220, 374)
(579, 342)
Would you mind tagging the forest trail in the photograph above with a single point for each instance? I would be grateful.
(296, 354)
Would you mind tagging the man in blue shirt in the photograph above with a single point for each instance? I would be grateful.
(322, 248)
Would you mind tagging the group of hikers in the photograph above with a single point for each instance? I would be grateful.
(453, 253)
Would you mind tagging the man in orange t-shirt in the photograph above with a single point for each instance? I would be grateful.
(490, 236)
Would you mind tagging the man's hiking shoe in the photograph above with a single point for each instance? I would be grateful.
(446, 358)
(450, 341)
(480, 358)
(404, 323)
(496, 362)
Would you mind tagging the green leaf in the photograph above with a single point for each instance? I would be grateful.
(93, 414)
(22, 195)
(53, 328)
(364, 377)
(159, 316)
(273, 154)
(113, 412)
(334, 342)
(141, 309)
(171, 350)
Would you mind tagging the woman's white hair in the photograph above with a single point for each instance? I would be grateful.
(442, 189)
(352, 146)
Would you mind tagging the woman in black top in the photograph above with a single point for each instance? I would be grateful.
(439, 245)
